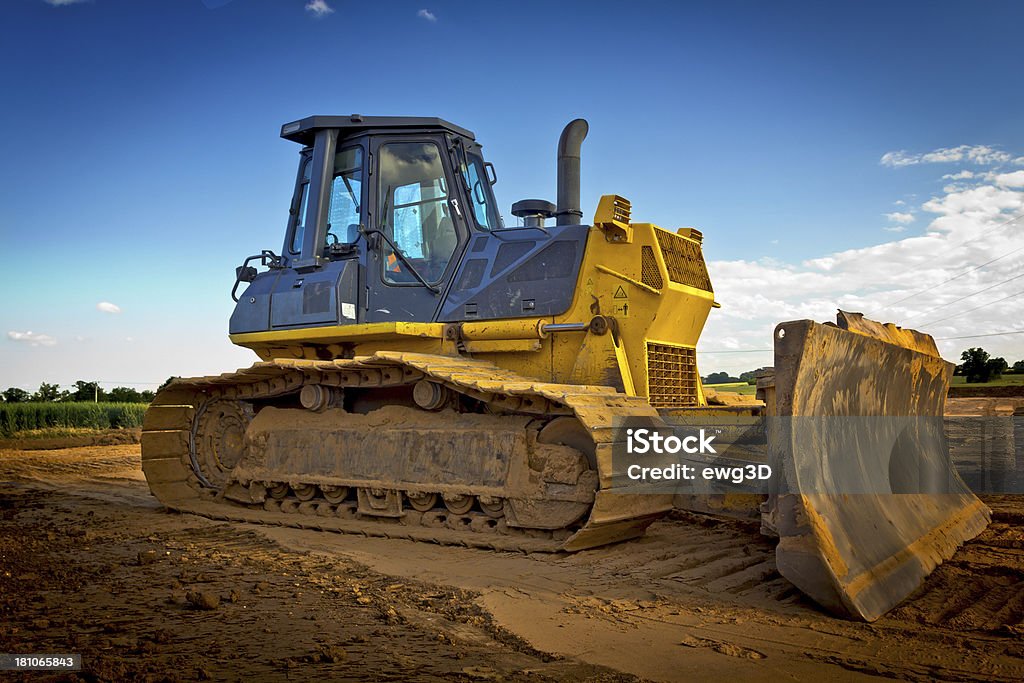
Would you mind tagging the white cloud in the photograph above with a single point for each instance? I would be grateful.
(62, 3)
(962, 175)
(977, 154)
(964, 228)
(896, 159)
(32, 338)
(980, 154)
(107, 307)
(319, 7)
(971, 205)
(427, 14)
(1015, 179)
(902, 218)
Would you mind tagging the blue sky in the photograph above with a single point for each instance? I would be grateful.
(808, 141)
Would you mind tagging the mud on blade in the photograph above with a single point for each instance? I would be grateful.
(873, 503)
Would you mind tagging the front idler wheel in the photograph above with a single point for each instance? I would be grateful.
(217, 442)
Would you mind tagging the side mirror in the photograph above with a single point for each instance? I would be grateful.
(492, 175)
(245, 273)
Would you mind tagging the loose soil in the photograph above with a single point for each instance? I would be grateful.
(42, 440)
(90, 563)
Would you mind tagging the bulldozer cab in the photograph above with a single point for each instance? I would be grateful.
(393, 219)
(382, 211)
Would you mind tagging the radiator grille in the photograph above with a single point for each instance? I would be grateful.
(649, 273)
(684, 261)
(671, 376)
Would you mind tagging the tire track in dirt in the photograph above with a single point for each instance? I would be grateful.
(147, 596)
(694, 597)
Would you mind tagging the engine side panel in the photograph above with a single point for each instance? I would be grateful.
(518, 273)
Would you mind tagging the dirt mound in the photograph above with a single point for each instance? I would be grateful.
(107, 437)
(961, 391)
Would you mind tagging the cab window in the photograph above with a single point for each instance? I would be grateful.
(415, 211)
(346, 196)
(480, 196)
(302, 197)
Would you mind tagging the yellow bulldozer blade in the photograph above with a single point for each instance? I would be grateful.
(870, 503)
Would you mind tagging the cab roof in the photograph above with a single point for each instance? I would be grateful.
(304, 130)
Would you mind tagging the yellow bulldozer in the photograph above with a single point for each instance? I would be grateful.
(429, 373)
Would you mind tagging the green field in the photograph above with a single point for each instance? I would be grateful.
(1004, 381)
(16, 418)
(734, 387)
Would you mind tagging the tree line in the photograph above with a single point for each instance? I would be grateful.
(83, 392)
(977, 366)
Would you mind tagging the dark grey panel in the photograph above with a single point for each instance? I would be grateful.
(471, 275)
(252, 312)
(321, 297)
(303, 130)
(509, 253)
(553, 262)
(525, 272)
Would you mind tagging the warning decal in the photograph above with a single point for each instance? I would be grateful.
(620, 293)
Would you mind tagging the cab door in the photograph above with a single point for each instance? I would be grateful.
(423, 230)
(328, 293)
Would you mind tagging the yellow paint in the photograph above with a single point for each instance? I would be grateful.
(612, 217)
(623, 361)
(625, 278)
(503, 346)
(674, 315)
(514, 328)
(341, 333)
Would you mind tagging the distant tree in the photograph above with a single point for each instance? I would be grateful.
(16, 395)
(720, 378)
(87, 391)
(47, 393)
(124, 395)
(1018, 367)
(996, 367)
(975, 366)
(147, 396)
(750, 376)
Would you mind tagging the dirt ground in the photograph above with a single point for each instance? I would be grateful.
(90, 563)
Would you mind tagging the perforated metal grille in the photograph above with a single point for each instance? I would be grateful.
(650, 275)
(551, 263)
(684, 261)
(671, 376)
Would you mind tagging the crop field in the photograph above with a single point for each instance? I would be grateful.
(734, 387)
(1004, 381)
(17, 418)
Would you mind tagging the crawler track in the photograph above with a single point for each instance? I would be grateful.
(175, 448)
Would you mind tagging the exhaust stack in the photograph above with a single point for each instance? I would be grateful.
(568, 211)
